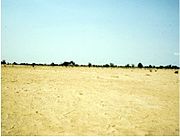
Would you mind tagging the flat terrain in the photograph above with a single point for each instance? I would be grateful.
(89, 101)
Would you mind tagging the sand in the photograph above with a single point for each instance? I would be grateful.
(88, 101)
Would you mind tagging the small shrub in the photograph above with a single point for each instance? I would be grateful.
(176, 72)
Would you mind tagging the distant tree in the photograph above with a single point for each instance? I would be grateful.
(22, 64)
(52, 64)
(150, 66)
(14, 63)
(89, 64)
(65, 64)
(140, 65)
(3, 62)
(168, 66)
(127, 66)
(72, 63)
(33, 64)
(106, 65)
(175, 67)
(111, 65)
(132, 65)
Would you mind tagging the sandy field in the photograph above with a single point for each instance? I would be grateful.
(88, 101)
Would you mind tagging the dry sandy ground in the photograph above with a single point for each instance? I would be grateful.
(89, 101)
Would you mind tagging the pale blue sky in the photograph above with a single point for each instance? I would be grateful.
(96, 31)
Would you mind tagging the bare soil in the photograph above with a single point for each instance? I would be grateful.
(88, 101)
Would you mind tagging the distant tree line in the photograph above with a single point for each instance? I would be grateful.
(110, 65)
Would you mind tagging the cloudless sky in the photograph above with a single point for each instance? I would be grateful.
(97, 31)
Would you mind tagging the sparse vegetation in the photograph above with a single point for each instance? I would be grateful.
(73, 64)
